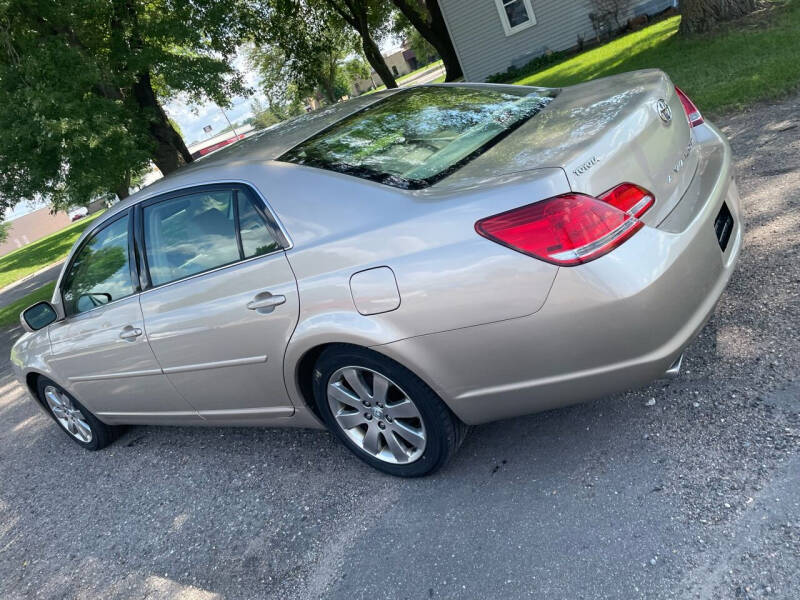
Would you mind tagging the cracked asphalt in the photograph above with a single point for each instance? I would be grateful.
(695, 496)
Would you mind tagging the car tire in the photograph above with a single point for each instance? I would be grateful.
(418, 440)
(80, 425)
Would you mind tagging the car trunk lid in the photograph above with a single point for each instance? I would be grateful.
(626, 128)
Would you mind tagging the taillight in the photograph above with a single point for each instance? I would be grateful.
(570, 229)
(692, 112)
(629, 198)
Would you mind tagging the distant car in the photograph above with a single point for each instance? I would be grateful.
(78, 214)
(398, 267)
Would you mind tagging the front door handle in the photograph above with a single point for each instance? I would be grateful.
(265, 302)
(130, 333)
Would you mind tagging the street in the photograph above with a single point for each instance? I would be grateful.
(694, 496)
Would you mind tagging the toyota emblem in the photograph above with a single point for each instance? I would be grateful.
(664, 111)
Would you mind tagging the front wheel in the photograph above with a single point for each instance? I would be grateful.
(77, 422)
(385, 414)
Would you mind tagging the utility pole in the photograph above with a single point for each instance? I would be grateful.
(229, 121)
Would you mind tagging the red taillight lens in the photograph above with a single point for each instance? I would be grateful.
(692, 112)
(571, 229)
(629, 198)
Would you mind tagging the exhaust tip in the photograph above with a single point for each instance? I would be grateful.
(675, 369)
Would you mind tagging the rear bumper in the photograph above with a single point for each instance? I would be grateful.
(616, 323)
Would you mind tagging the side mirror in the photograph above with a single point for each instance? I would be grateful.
(38, 316)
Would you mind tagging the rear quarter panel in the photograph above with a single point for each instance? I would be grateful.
(447, 275)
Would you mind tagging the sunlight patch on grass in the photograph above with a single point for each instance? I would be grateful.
(752, 60)
(43, 252)
(9, 315)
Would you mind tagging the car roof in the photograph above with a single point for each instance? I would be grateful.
(263, 146)
(260, 148)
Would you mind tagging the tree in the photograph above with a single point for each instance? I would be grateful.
(313, 40)
(357, 70)
(422, 48)
(5, 228)
(607, 10)
(700, 16)
(82, 87)
(426, 17)
(366, 16)
(276, 83)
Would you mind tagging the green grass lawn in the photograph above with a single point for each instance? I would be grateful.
(9, 315)
(40, 253)
(408, 76)
(755, 59)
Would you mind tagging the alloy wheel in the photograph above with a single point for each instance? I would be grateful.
(376, 414)
(67, 414)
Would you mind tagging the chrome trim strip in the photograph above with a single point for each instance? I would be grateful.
(272, 411)
(591, 247)
(79, 316)
(250, 360)
(106, 376)
(209, 272)
(166, 413)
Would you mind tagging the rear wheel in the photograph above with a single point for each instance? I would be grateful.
(75, 420)
(385, 414)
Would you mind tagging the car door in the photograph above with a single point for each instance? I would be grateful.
(220, 301)
(99, 350)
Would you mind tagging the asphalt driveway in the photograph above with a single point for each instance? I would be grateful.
(694, 496)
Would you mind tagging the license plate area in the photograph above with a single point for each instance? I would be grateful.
(723, 226)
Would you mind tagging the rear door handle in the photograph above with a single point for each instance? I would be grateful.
(265, 302)
(130, 333)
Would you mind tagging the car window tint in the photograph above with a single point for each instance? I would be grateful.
(257, 237)
(101, 271)
(190, 234)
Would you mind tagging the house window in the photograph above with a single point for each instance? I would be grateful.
(515, 15)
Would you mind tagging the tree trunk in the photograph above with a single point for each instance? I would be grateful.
(122, 190)
(376, 60)
(700, 16)
(355, 15)
(170, 152)
(328, 89)
(432, 27)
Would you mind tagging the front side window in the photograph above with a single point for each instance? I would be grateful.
(515, 15)
(198, 232)
(417, 136)
(100, 272)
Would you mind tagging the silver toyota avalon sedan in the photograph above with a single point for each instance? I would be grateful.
(398, 267)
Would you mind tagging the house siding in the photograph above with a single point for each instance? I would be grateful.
(484, 49)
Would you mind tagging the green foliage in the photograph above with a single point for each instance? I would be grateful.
(9, 315)
(312, 41)
(4, 229)
(742, 63)
(356, 69)
(81, 81)
(424, 50)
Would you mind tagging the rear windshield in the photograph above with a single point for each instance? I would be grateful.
(416, 137)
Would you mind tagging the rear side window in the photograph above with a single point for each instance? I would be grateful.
(256, 236)
(198, 232)
(100, 272)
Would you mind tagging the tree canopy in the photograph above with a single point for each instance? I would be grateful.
(82, 87)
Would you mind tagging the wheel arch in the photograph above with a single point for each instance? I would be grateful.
(302, 375)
